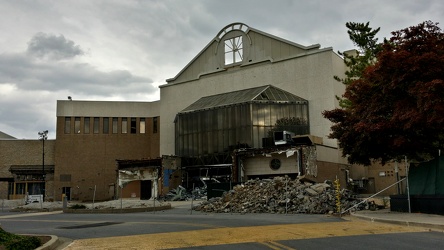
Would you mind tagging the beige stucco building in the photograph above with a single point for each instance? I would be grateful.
(241, 57)
(213, 119)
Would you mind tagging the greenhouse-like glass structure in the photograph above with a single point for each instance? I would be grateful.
(219, 123)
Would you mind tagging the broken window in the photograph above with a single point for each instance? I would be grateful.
(86, 125)
(233, 50)
(124, 125)
(142, 125)
(133, 125)
(67, 125)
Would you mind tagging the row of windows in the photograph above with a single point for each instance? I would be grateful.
(115, 125)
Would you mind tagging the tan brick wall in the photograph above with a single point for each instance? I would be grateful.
(24, 152)
(385, 175)
(90, 159)
(3, 189)
(381, 177)
(330, 171)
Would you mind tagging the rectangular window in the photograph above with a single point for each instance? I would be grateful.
(86, 125)
(154, 125)
(142, 125)
(10, 188)
(124, 125)
(105, 125)
(77, 125)
(133, 125)
(20, 188)
(96, 125)
(67, 125)
(115, 121)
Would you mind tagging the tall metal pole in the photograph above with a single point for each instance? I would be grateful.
(407, 166)
(43, 136)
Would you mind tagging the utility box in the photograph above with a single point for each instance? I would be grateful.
(34, 198)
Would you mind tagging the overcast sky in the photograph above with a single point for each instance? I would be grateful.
(124, 49)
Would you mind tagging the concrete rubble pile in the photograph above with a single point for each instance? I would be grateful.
(279, 195)
(181, 194)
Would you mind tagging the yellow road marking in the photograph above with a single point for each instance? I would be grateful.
(276, 246)
(268, 244)
(230, 235)
(29, 214)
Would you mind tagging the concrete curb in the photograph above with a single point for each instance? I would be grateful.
(400, 222)
(116, 210)
(53, 243)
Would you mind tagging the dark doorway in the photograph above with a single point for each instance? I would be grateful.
(145, 190)
(67, 192)
(371, 188)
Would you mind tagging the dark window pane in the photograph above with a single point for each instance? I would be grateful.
(105, 125)
(133, 125)
(67, 125)
(96, 125)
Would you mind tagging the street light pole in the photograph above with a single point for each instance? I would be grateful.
(43, 136)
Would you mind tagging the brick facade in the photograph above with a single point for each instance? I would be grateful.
(24, 153)
(87, 162)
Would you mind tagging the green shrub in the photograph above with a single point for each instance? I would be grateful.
(24, 243)
(18, 242)
(78, 206)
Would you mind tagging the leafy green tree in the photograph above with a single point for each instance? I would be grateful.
(397, 104)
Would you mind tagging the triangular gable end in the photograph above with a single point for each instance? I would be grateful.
(238, 44)
(6, 136)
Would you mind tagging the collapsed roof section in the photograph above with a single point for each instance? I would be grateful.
(138, 170)
(134, 164)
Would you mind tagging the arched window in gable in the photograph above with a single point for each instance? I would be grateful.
(235, 46)
(233, 50)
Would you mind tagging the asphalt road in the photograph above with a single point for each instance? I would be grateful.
(181, 229)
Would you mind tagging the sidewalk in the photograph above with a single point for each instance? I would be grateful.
(431, 221)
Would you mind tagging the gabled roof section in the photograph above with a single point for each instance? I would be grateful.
(6, 136)
(266, 93)
(257, 46)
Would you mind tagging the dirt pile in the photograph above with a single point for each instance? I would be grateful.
(280, 195)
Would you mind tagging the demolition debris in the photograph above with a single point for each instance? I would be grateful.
(279, 195)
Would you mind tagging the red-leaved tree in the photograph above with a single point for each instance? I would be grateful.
(397, 106)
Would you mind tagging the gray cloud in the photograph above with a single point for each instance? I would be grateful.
(78, 78)
(52, 47)
(122, 50)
